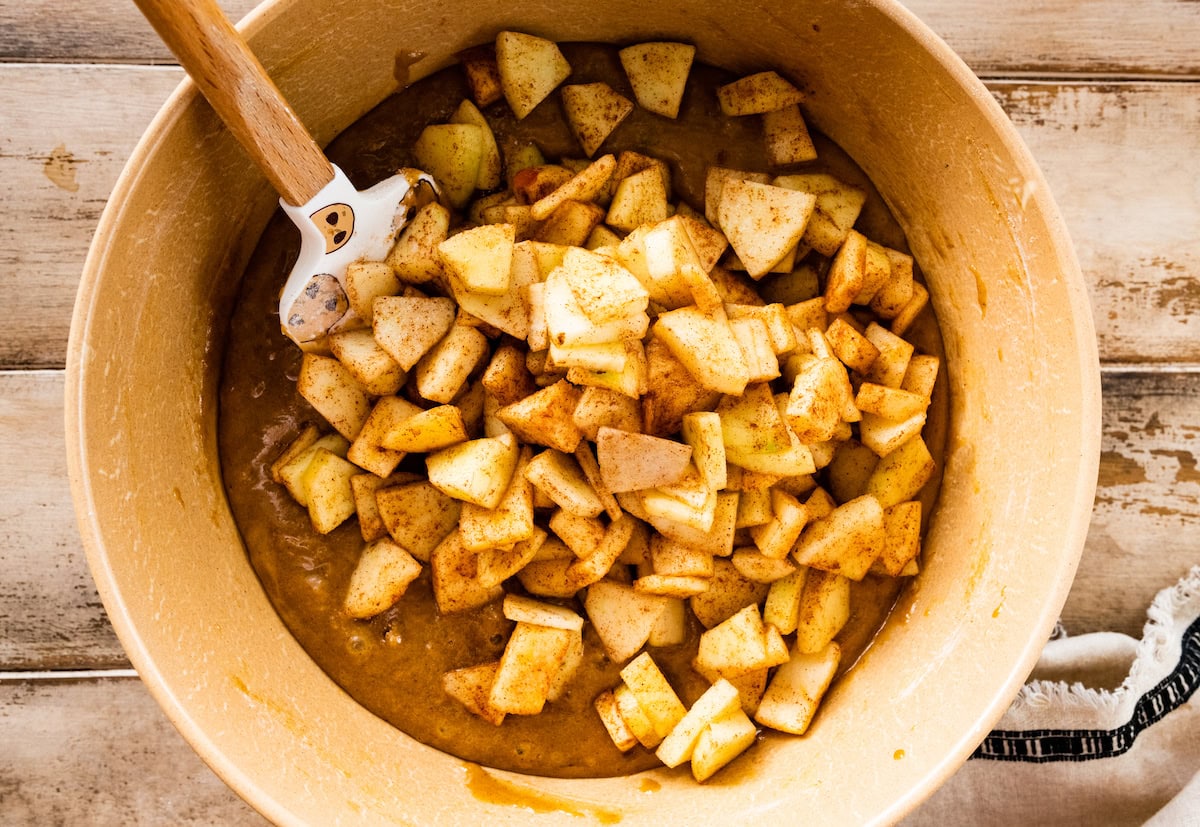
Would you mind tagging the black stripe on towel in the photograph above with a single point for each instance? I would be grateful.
(1042, 745)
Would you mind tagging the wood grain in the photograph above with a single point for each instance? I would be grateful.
(1118, 158)
(101, 752)
(1155, 37)
(1141, 534)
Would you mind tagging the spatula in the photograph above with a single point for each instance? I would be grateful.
(338, 224)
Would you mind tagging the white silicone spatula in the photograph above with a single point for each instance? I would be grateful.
(338, 224)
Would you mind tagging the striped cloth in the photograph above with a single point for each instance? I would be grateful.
(1107, 732)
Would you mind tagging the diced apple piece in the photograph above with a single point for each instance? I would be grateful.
(471, 686)
(902, 537)
(738, 645)
(883, 436)
(367, 362)
(452, 154)
(815, 404)
(482, 73)
(601, 406)
(531, 660)
(429, 430)
(846, 541)
(629, 462)
(756, 566)
(366, 281)
(581, 534)
(751, 424)
(720, 742)
(364, 486)
(824, 610)
(639, 199)
(417, 515)
(407, 328)
(326, 483)
(671, 585)
(891, 364)
(908, 314)
(368, 450)
(895, 294)
(453, 573)
(717, 539)
(530, 69)
(782, 607)
(718, 700)
(754, 508)
(658, 73)
(584, 186)
(654, 693)
(604, 290)
(568, 325)
(758, 93)
(481, 257)
(705, 345)
(635, 717)
(477, 471)
(786, 137)
(622, 617)
(703, 431)
(333, 391)
(837, 208)
(708, 242)
(921, 375)
(382, 575)
(545, 417)
(853, 349)
(900, 475)
(571, 224)
(495, 565)
(614, 724)
(671, 391)
(307, 437)
(490, 167)
(714, 186)
(559, 477)
(442, 372)
(510, 522)
(414, 257)
(728, 592)
(527, 610)
(593, 111)
(796, 690)
(670, 557)
(889, 403)
(671, 627)
(598, 564)
(762, 222)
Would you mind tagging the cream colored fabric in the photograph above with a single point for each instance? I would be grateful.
(1125, 750)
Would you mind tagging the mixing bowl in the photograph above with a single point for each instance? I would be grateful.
(1004, 540)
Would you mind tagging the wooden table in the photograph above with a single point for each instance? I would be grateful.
(1106, 93)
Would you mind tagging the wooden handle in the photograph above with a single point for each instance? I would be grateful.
(243, 95)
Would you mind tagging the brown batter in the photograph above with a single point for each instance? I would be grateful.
(393, 664)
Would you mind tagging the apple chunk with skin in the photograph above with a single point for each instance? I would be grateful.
(630, 462)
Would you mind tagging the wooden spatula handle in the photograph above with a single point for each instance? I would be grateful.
(243, 95)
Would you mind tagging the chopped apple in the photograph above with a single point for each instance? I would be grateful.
(481, 257)
(622, 617)
(654, 693)
(407, 328)
(532, 658)
(725, 738)
(729, 591)
(758, 93)
(364, 486)
(530, 69)
(482, 73)
(782, 607)
(429, 430)
(815, 403)
(452, 153)
(593, 111)
(639, 199)
(368, 450)
(366, 281)
(762, 222)
(599, 563)
(490, 167)
(471, 686)
(671, 391)
(740, 644)
(367, 362)
(852, 349)
(456, 587)
(571, 224)
(703, 431)
(908, 314)
(495, 565)
(837, 208)
(610, 715)
(605, 291)
(850, 469)
(326, 483)
(921, 375)
(845, 541)
(477, 471)
(545, 417)
(824, 610)
(705, 345)
(382, 575)
(584, 186)
(527, 610)
(796, 689)
(718, 700)
(510, 522)
(601, 406)
(847, 273)
(418, 516)
(671, 627)
(900, 475)
(629, 461)
(902, 536)
(580, 534)
(786, 137)
(559, 477)
(896, 293)
(635, 717)
(714, 187)
(756, 566)
(442, 372)
(658, 73)
(328, 386)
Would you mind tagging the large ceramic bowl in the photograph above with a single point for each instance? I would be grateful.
(1020, 465)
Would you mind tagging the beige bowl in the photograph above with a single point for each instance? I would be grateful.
(1020, 467)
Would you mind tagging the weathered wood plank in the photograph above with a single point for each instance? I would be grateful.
(1142, 534)
(1120, 159)
(101, 752)
(107, 31)
(50, 614)
(1156, 37)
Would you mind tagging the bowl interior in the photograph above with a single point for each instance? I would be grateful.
(1002, 548)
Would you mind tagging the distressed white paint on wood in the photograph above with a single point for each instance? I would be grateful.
(1101, 36)
(50, 614)
(100, 752)
(1121, 160)
(99, 31)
